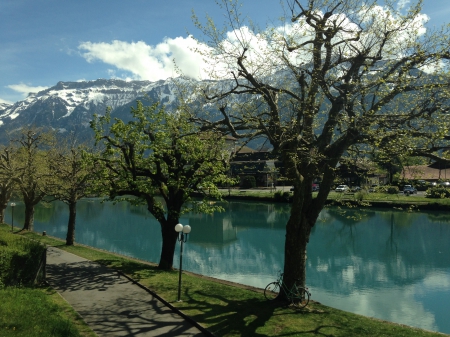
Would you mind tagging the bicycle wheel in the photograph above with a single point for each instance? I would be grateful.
(299, 296)
(272, 290)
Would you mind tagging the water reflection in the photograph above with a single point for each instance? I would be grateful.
(389, 264)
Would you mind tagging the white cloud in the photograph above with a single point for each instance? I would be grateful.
(196, 60)
(25, 89)
(402, 4)
(148, 62)
(435, 67)
(5, 101)
(390, 303)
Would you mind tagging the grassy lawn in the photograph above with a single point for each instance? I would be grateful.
(38, 312)
(230, 310)
(400, 197)
(409, 202)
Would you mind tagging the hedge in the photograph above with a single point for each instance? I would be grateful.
(19, 260)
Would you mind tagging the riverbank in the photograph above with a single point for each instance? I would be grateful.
(382, 200)
(232, 310)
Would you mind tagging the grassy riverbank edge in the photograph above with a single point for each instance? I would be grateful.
(381, 200)
(228, 309)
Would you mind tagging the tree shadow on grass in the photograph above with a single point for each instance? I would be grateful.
(252, 315)
(229, 315)
(223, 316)
(137, 270)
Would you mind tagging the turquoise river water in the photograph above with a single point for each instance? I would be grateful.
(389, 264)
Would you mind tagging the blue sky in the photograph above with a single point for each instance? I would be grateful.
(46, 41)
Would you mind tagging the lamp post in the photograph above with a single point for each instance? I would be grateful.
(13, 204)
(183, 232)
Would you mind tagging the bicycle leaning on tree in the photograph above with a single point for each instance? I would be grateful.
(297, 295)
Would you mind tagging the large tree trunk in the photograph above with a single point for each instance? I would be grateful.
(298, 230)
(30, 198)
(29, 216)
(169, 240)
(2, 213)
(304, 212)
(70, 238)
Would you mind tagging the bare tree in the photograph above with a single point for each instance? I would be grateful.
(72, 172)
(6, 181)
(29, 161)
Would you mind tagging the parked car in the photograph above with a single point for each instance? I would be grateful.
(409, 189)
(373, 188)
(444, 183)
(342, 188)
(356, 189)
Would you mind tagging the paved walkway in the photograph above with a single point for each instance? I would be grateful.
(110, 303)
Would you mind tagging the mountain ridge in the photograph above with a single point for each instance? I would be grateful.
(70, 106)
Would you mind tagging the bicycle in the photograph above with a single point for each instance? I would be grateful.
(298, 295)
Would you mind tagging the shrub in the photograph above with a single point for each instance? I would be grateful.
(386, 189)
(438, 192)
(281, 196)
(249, 182)
(19, 260)
(360, 195)
(380, 189)
(392, 189)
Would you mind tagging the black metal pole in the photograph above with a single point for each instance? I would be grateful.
(181, 267)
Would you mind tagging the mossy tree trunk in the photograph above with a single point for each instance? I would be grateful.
(29, 216)
(70, 237)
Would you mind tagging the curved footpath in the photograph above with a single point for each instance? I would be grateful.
(111, 303)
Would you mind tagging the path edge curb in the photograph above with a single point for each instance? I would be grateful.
(168, 304)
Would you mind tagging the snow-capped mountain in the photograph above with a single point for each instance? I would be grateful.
(69, 106)
(4, 106)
